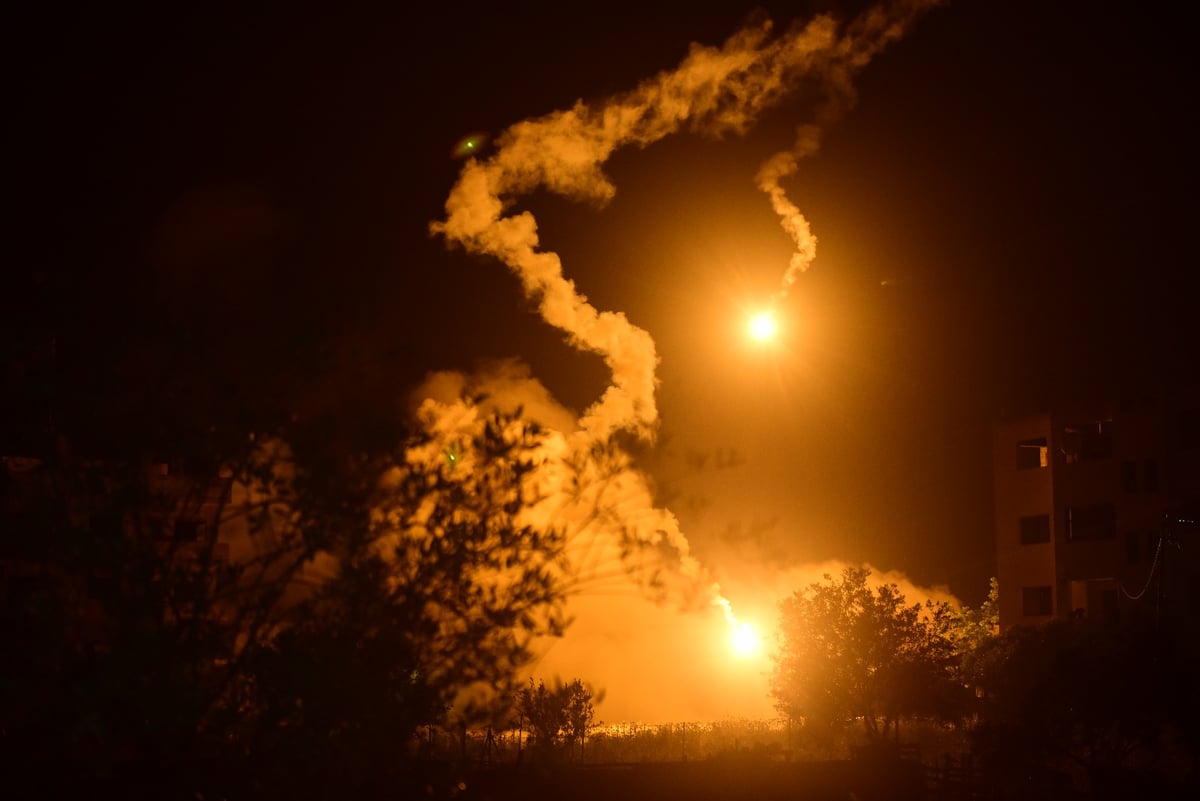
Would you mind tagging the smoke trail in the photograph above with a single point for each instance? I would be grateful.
(714, 90)
(869, 34)
(596, 497)
(772, 172)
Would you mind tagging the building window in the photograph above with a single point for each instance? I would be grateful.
(1150, 475)
(1095, 522)
(1037, 601)
(1032, 453)
(1188, 438)
(1133, 546)
(1035, 529)
(1088, 441)
(1129, 476)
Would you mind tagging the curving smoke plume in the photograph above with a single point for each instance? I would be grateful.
(862, 41)
(715, 90)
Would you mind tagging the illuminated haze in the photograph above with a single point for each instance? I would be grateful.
(657, 662)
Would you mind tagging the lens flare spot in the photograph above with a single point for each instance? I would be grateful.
(469, 145)
(763, 327)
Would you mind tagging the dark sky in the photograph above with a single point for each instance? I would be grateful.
(1005, 220)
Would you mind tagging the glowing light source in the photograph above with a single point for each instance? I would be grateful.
(762, 327)
(469, 145)
(746, 641)
(744, 638)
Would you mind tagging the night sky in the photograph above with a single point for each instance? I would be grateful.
(1004, 221)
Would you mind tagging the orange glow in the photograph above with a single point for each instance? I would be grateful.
(762, 327)
(746, 640)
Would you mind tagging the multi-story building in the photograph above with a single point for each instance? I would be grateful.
(1095, 511)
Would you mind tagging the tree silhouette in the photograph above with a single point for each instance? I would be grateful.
(558, 718)
(848, 653)
(289, 640)
(974, 632)
(1077, 698)
(438, 593)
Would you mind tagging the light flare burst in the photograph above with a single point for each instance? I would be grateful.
(744, 638)
(763, 327)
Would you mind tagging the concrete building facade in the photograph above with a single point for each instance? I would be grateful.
(1094, 511)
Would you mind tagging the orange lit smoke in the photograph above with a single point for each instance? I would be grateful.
(714, 90)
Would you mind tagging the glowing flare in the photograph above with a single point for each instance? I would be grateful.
(714, 90)
(744, 638)
(762, 327)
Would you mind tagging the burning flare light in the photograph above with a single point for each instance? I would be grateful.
(744, 638)
(763, 327)
(714, 90)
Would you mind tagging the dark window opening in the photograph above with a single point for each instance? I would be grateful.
(1037, 601)
(1032, 453)
(1035, 529)
(1129, 476)
(1096, 522)
(1189, 430)
(1150, 475)
(1088, 441)
(1133, 546)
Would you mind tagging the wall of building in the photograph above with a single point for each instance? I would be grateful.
(1087, 526)
(1023, 484)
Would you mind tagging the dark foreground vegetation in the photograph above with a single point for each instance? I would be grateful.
(731, 777)
(213, 598)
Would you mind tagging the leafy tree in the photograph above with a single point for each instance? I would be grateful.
(438, 592)
(974, 631)
(975, 628)
(113, 649)
(558, 717)
(1073, 697)
(346, 601)
(581, 715)
(849, 653)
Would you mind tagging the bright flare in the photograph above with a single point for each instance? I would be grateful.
(762, 327)
(746, 640)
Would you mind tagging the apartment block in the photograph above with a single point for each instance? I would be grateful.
(1095, 512)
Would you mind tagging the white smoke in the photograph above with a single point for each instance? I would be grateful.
(715, 90)
(590, 485)
(854, 49)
